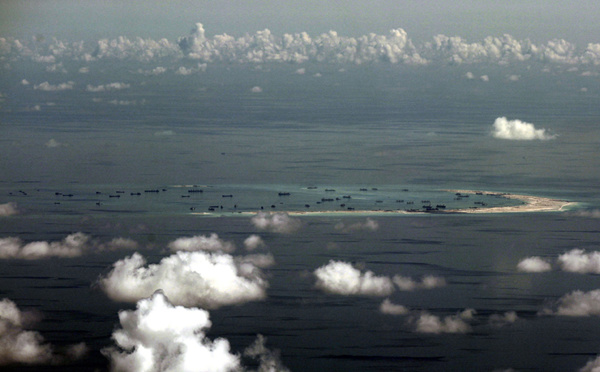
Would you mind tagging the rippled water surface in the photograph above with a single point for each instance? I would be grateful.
(377, 139)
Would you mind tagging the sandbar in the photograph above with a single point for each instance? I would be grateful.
(530, 204)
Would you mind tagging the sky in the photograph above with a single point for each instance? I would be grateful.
(91, 20)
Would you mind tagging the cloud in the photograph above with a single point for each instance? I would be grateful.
(428, 323)
(368, 225)
(342, 278)
(591, 366)
(139, 49)
(253, 242)
(578, 261)
(484, 78)
(47, 87)
(184, 71)
(276, 222)
(500, 320)
(469, 75)
(24, 82)
(155, 71)
(205, 279)
(161, 336)
(164, 133)
(428, 282)
(387, 307)
(577, 303)
(393, 47)
(107, 87)
(123, 102)
(534, 265)
(58, 67)
(8, 209)
(589, 213)
(73, 245)
(249, 263)
(269, 361)
(52, 143)
(518, 130)
(574, 261)
(202, 243)
(256, 89)
(18, 345)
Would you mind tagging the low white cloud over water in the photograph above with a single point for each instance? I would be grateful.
(575, 261)
(161, 336)
(518, 130)
(73, 245)
(206, 279)
(19, 345)
(202, 243)
(276, 222)
(339, 277)
(8, 209)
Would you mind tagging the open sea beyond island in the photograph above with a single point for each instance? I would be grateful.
(324, 217)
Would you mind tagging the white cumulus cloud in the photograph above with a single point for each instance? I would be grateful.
(19, 345)
(253, 242)
(534, 264)
(8, 209)
(107, 87)
(388, 307)
(202, 243)
(342, 278)
(164, 133)
(500, 320)
(578, 261)
(369, 225)
(427, 282)
(276, 222)
(518, 130)
(45, 86)
(206, 279)
(269, 360)
(591, 366)
(429, 323)
(577, 303)
(52, 143)
(159, 336)
(73, 245)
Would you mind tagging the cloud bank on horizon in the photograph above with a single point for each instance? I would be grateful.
(395, 47)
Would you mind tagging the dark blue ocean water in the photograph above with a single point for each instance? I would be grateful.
(389, 128)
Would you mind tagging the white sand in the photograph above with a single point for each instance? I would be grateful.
(531, 203)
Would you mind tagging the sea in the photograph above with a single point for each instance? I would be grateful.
(179, 156)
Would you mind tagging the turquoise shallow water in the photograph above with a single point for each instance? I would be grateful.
(235, 199)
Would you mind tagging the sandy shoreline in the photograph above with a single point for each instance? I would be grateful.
(530, 204)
